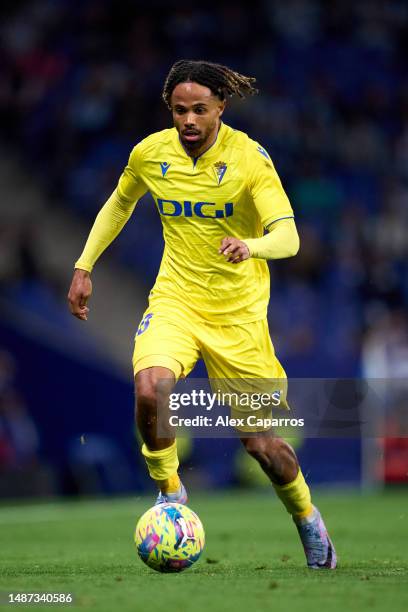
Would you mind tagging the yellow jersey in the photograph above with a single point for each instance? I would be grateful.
(232, 189)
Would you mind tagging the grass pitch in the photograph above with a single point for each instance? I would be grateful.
(252, 560)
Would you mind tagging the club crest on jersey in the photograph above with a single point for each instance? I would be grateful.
(164, 167)
(220, 169)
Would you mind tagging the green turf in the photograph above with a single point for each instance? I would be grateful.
(252, 560)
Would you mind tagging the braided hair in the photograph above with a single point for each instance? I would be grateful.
(220, 79)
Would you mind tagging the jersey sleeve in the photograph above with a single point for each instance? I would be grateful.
(131, 186)
(265, 187)
(281, 241)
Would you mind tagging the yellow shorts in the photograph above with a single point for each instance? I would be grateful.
(175, 338)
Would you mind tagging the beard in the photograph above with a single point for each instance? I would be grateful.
(192, 145)
(200, 141)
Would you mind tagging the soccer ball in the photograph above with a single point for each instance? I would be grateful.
(169, 537)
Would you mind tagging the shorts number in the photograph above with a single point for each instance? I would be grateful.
(144, 324)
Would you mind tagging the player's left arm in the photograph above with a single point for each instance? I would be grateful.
(275, 212)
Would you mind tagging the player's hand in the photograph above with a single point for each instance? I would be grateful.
(234, 250)
(79, 294)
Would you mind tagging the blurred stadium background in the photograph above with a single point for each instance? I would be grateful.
(80, 84)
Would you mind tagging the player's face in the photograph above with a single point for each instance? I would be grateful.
(196, 115)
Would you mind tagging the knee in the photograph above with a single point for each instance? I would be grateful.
(146, 397)
(152, 389)
(146, 392)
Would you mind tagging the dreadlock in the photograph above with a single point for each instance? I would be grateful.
(220, 79)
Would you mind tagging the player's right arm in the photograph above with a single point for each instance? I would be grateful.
(109, 222)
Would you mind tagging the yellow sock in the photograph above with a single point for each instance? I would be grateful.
(296, 497)
(162, 466)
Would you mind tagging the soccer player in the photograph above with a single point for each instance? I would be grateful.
(216, 191)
